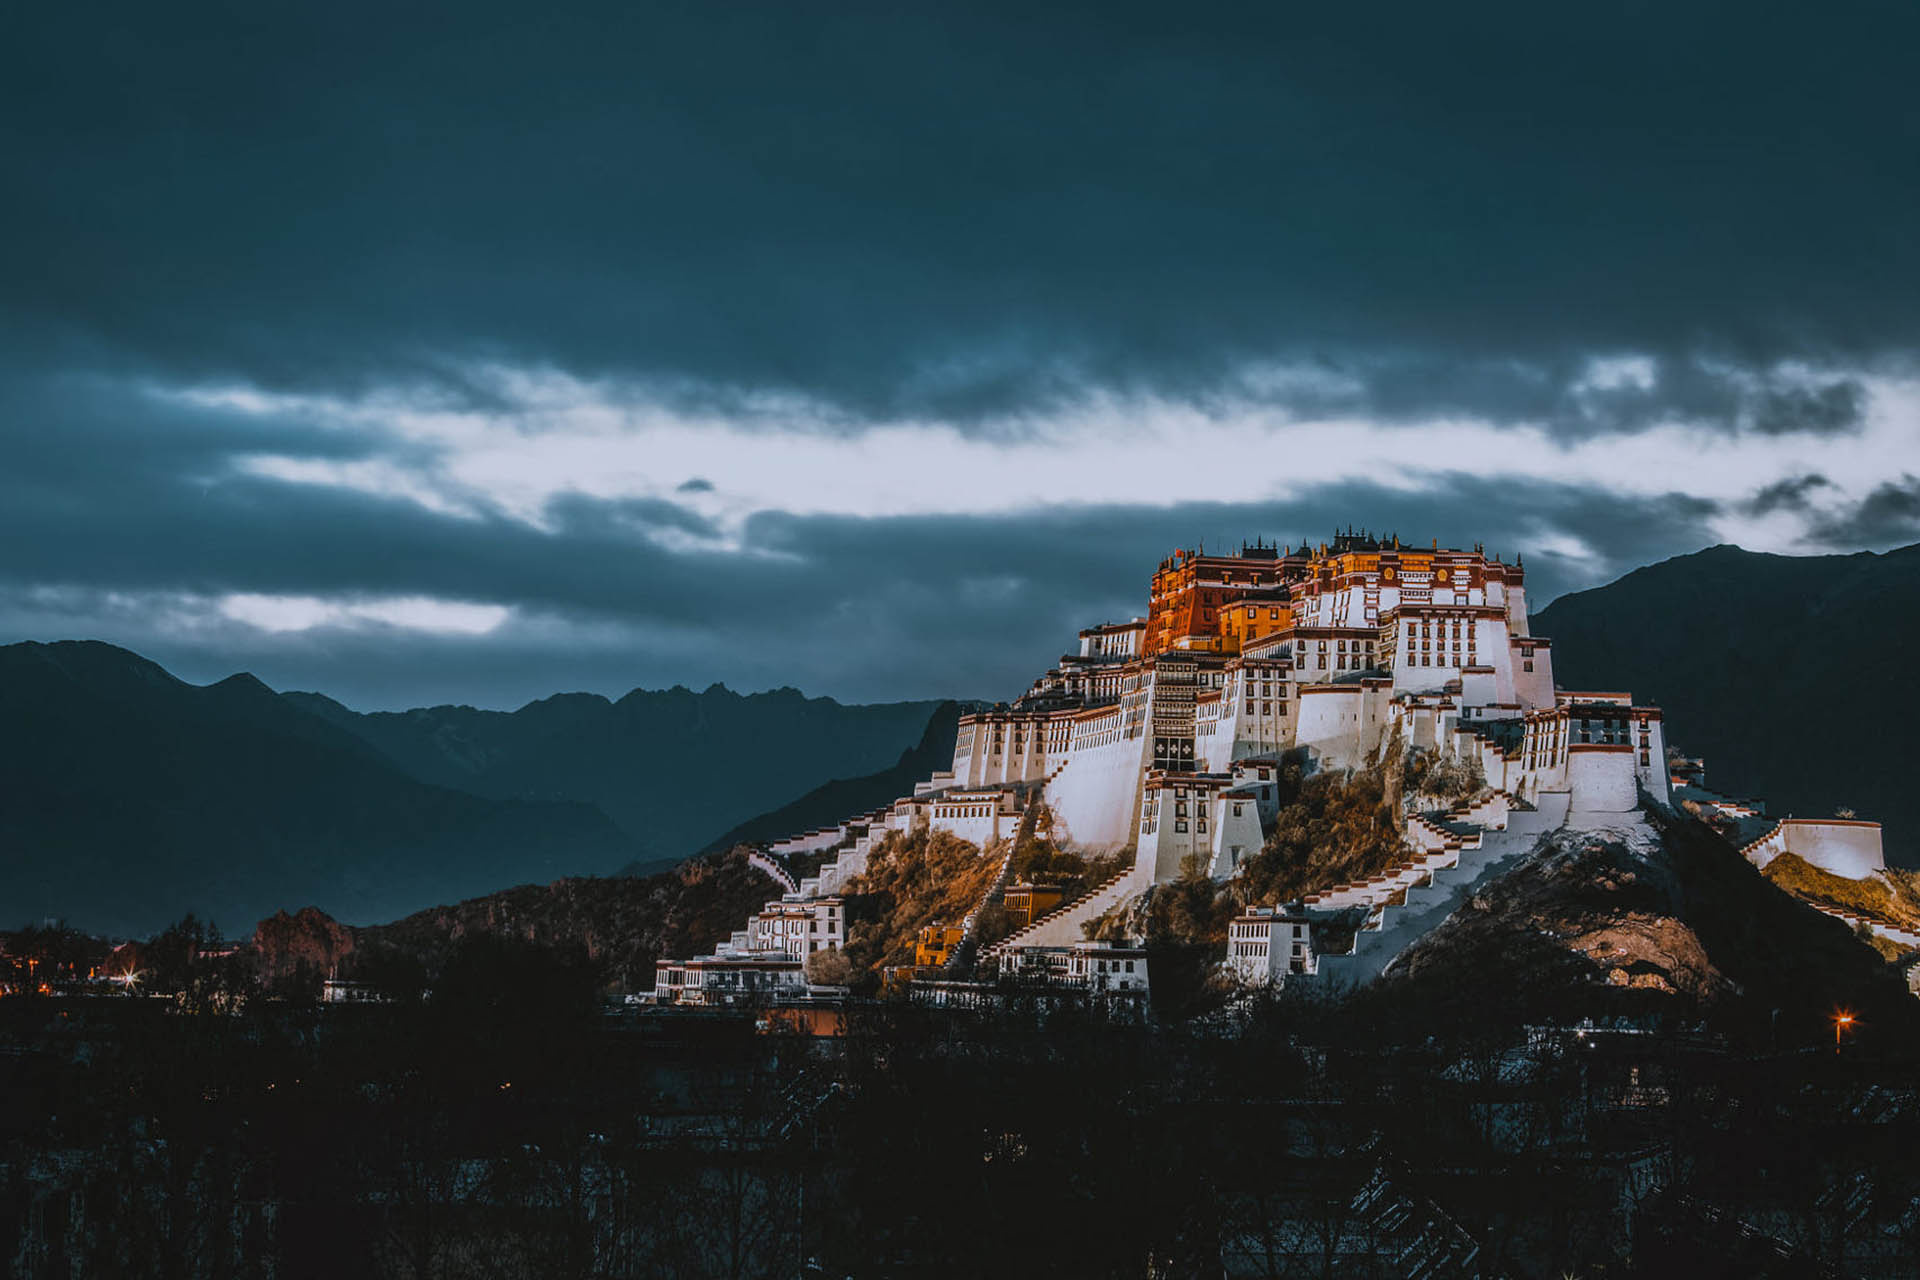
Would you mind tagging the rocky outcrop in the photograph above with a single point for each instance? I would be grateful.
(308, 942)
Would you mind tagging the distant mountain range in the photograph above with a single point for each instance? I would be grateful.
(1787, 673)
(128, 797)
(831, 802)
(672, 768)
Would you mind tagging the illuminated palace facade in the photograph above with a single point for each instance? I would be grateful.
(1162, 738)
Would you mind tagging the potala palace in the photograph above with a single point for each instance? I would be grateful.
(1161, 740)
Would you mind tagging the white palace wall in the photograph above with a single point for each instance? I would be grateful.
(1096, 795)
(1601, 777)
(1531, 689)
(1341, 726)
(1841, 846)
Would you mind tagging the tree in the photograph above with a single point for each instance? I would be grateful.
(829, 968)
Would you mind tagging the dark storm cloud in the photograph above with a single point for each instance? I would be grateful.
(970, 211)
(860, 607)
(975, 215)
(1565, 394)
(1786, 495)
(1822, 410)
(1888, 516)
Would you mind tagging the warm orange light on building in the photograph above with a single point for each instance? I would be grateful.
(1190, 588)
(1026, 903)
(1252, 617)
(935, 943)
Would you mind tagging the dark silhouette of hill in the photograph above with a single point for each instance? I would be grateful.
(623, 923)
(672, 768)
(1617, 923)
(131, 797)
(844, 797)
(1784, 672)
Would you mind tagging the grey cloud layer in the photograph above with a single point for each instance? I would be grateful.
(127, 543)
(971, 214)
(974, 210)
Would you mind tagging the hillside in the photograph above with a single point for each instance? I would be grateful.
(132, 797)
(666, 766)
(1776, 669)
(621, 923)
(1595, 923)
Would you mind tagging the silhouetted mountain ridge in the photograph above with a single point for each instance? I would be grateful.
(844, 798)
(132, 797)
(671, 767)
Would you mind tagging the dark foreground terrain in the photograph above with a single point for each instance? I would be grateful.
(514, 1126)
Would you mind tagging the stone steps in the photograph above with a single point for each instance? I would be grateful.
(1390, 930)
(1061, 926)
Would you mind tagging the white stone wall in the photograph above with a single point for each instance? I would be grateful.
(1095, 795)
(1342, 726)
(1650, 764)
(1533, 688)
(1516, 602)
(1839, 846)
(1236, 832)
(1601, 778)
(1176, 822)
(1265, 729)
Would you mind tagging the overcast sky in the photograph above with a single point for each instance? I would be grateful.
(471, 355)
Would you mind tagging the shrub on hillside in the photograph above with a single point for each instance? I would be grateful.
(1440, 782)
(1338, 828)
(829, 968)
(1892, 896)
(912, 879)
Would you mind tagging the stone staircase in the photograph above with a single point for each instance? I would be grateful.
(1892, 933)
(780, 875)
(1416, 899)
(1061, 926)
(960, 959)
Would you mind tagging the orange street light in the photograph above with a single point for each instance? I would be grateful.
(1842, 1022)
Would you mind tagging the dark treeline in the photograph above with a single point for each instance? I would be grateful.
(509, 1126)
